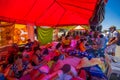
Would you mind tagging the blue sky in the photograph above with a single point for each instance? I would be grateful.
(112, 14)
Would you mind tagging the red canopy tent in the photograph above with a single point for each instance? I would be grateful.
(47, 12)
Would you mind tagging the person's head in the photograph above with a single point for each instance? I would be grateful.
(46, 51)
(101, 35)
(66, 37)
(56, 58)
(18, 59)
(21, 49)
(27, 48)
(81, 40)
(66, 68)
(29, 40)
(58, 45)
(69, 33)
(36, 43)
(95, 34)
(77, 33)
(37, 51)
(112, 28)
(95, 46)
(90, 36)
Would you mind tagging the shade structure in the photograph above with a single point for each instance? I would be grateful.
(79, 28)
(47, 12)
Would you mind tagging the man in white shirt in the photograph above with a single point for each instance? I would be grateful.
(113, 38)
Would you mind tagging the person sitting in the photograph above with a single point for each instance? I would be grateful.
(82, 45)
(95, 51)
(37, 61)
(18, 69)
(113, 38)
(67, 72)
(57, 50)
(73, 43)
(66, 42)
(102, 41)
(35, 44)
(27, 54)
(37, 57)
(29, 43)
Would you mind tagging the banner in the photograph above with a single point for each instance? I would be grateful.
(20, 34)
(14, 33)
(6, 34)
(44, 35)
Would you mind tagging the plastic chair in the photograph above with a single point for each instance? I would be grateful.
(114, 68)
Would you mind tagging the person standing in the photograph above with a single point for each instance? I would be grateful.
(113, 38)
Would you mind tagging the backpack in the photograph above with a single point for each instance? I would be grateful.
(118, 42)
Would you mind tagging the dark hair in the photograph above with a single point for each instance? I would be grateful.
(58, 45)
(45, 52)
(17, 56)
(36, 48)
(21, 49)
(81, 40)
(28, 39)
(90, 36)
(85, 39)
(66, 68)
(101, 36)
(55, 58)
(114, 27)
(66, 37)
(95, 35)
(77, 33)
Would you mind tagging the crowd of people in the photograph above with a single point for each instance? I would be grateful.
(72, 57)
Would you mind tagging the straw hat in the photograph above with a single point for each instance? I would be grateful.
(112, 27)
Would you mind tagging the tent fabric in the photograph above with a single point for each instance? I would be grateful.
(47, 12)
(44, 35)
